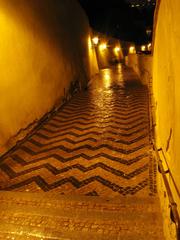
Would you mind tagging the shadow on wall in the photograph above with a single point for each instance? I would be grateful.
(44, 46)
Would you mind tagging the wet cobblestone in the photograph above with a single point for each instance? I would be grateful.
(98, 146)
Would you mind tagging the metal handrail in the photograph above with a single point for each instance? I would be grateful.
(173, 206)
(170, 174)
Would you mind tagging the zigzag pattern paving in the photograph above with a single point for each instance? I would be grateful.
(97, 144)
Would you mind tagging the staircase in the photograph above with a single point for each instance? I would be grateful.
(46, 216)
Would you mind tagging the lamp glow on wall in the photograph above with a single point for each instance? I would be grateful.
(132, 50)
(117, 49)
(89, 42)
(102, 46)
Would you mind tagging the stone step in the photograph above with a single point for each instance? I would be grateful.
(30, 235)
(92, 205)
(75, 217)
(47, 200)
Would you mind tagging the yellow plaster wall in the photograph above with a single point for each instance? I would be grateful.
(166, 92)
(44, 45)
(142, 65)
(166, 82)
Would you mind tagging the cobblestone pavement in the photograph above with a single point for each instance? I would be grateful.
(43, 216)
(97, 144)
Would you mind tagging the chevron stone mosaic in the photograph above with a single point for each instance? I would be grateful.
(96, 145)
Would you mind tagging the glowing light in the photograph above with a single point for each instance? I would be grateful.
(117, 49)
(132, 50)
(95, 40)
(143, 48)
(149, 46)
(103, 46)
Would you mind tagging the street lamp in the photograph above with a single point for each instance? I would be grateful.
(103, 46)
(117, 49)
(143, 48)
(95, 40)
(132, 50)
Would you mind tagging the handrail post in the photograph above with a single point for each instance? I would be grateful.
(174, 212)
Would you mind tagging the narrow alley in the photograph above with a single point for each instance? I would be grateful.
(97, 145)
(89, 120)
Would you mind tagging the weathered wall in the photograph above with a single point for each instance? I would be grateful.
(44, 45)
(142, 65)
(166, 85)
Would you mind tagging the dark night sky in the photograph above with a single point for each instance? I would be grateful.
(116, 18)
